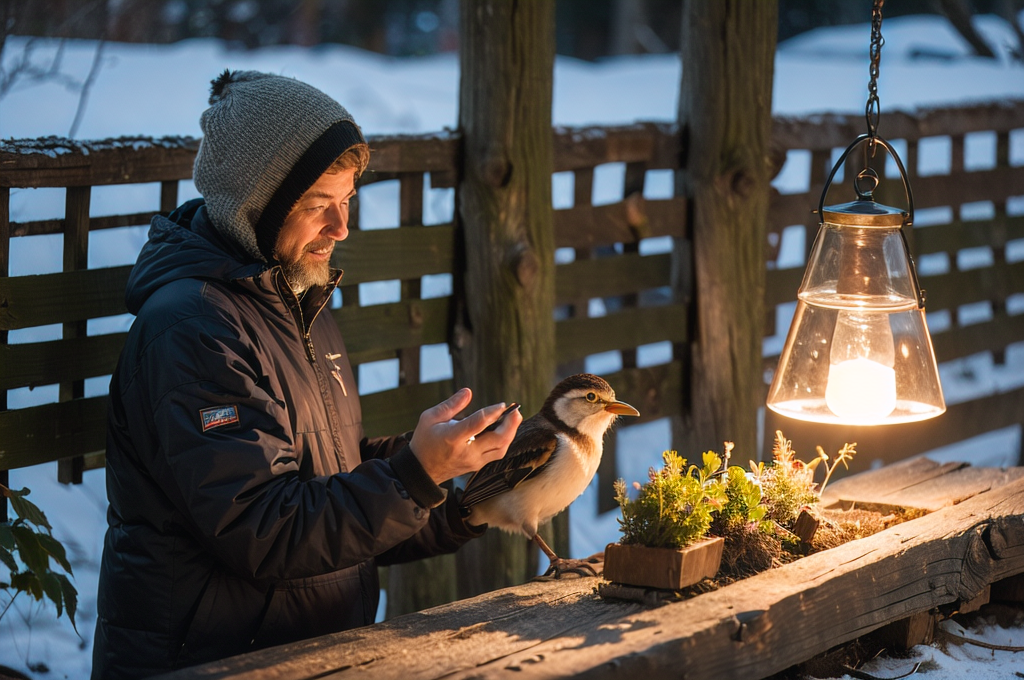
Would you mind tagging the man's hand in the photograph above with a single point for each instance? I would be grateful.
(447, 448)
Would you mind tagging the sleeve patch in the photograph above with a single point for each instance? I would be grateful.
(219, 416)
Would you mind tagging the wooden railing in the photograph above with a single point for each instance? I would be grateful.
(643, 298)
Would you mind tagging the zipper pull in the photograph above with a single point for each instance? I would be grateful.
(337, 371)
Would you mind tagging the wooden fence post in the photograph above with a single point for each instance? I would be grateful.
(728, 50)
(5, 256)
(504, 345)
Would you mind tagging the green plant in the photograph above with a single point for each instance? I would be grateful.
(674, 508)
(846, 453)
(743, 504)
(787, 484)
(26, 548)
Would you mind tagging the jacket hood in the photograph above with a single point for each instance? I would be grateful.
(184, 245)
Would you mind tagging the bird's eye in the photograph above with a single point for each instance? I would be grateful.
(591, 397)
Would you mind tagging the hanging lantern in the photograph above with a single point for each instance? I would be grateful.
(858, 351)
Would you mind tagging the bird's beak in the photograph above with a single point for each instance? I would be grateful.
(621, 408)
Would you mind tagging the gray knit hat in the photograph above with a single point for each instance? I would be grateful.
(266, 140)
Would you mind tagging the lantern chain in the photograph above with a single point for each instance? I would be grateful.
(873, 108)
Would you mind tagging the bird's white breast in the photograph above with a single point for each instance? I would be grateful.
(540, 498)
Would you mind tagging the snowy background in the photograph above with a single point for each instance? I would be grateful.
(161, 90)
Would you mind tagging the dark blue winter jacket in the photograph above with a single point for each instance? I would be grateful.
(246, 507)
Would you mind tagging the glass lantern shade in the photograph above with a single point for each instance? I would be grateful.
(858, 350)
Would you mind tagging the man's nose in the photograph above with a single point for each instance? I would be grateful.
(337, 224)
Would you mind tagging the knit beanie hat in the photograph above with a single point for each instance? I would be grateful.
(266, 140)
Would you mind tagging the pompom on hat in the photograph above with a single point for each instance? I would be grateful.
(266, 140)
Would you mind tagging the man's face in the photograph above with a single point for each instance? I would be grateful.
(307, 237)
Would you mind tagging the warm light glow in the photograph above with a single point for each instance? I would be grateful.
(861, 380)
(861, 391)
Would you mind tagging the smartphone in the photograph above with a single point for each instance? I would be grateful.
(497, 423)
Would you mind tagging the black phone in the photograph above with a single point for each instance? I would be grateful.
(497, 423)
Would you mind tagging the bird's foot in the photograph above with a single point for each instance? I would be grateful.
(562, 567)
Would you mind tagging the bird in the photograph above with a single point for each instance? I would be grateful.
(553, 457)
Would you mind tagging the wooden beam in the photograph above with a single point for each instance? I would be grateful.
(728, 50)
(747, 630)
(505, 334)
(837, 130)
(42, 299)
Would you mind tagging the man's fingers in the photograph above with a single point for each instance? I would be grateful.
(499, 438)
(475, 424)
(450, 407)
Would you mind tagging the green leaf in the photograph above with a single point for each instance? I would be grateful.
(70, 598)
(56, 550)
(28, 511)
(8, 559)
(6, 537)
(712, 461)
(51, 587)
(29, 583)
(30, 550)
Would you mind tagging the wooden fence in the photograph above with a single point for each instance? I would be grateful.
(645, 301)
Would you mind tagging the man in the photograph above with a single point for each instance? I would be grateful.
(246, 507)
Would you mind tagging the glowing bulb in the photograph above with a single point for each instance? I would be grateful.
(861, 384)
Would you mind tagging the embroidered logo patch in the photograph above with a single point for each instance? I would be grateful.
(219, 416)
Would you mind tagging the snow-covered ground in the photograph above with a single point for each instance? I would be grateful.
(161, 90)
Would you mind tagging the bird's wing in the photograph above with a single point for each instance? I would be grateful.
(529, 453)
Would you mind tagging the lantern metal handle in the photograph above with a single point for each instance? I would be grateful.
(908, 220)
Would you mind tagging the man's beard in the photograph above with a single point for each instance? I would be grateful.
(303, 273)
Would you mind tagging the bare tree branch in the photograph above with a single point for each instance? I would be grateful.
(83, 97)
(959, 14)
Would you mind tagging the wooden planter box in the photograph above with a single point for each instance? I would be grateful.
(666, 568)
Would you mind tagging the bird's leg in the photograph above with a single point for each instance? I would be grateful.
(560, 566)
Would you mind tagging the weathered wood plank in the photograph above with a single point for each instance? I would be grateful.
(402, 253)
(946, 291)
(938, 190)
(750, 629)
(393, 326)
(41, 434)
(588, 226)
(56, 226)
(833, 130)
(628, 328)
(58, 162)
(396, 411)
(949, 238)
(610, 276)
(890, 479)
(37, 300)
(989, 336)
(47, 363)
(654, 144)
(935, 493)
(414, 153)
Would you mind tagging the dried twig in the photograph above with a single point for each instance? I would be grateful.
(981, 643)
(867, 676)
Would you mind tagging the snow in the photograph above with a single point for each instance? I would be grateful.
(947, 658)
(161, 90)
